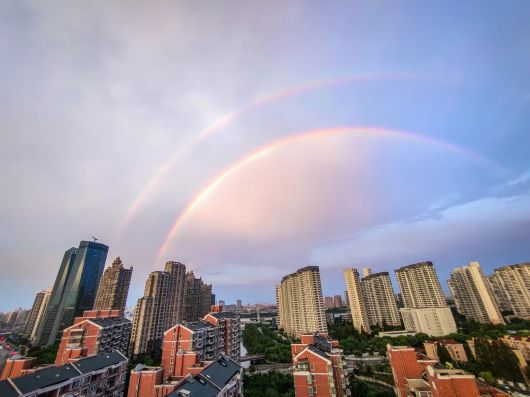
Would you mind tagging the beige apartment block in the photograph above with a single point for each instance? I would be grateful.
(300, 304)
(473, 295)
(357, 304)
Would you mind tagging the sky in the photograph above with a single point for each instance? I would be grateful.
(249, 139)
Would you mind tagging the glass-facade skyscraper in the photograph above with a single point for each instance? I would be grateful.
(47, 324)
(78, 292)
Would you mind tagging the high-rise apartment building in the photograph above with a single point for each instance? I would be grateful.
(197, 298)
(151, 314)
(425, 309)
(170, 297)
(230, 325)
(97, 332)
(473, 295)
(318, 367)
(48, 326)
(511, 287)
(381, 306)
(337, 301)
(37, 313)
(113, 287)
(299, 302)
(328, 302)
(77, 283)
(357, 305)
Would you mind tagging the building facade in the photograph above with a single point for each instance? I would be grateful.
(318, 367)
(357, 305)
(511, 287)
(299, 303)
(381, 306)
(473, 295)
(97, 332)
(113, 287)
(425, 308)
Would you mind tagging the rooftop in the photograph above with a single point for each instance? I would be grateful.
(99, 361)
(109, 321)
(414, 265)
(44, 378)
(302, 270)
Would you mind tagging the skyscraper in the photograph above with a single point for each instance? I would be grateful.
(357, 305)
(37, 313)
(337, 301)
(197, 298)
(299, 302)
(379, 298)
(47, 328)
(161, 307)
(328, 302)
(113, 287)
(81, 288)
(425, 309)
(511, 286)
(473, 295)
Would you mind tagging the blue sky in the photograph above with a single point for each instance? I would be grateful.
(97, 98)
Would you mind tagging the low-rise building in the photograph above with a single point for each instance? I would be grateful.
(455, 349)
(96, 376)
(434, 321)
(520, 343)
(222, 377)
(318, 367)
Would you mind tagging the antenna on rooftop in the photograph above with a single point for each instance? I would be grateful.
(95, 239)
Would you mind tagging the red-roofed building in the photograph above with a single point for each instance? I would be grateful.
(417, 375)
(97, 332)
(319, 368)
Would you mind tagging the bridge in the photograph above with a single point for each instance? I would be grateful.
(253, 357)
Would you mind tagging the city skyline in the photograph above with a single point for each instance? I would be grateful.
(248, 144)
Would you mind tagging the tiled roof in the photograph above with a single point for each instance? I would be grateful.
(210, 381)
(221, 371)
(198, 325)
(45, 378)
(195, 386)
(224, 315)
(109, 321)
(6, 390)
(99, 361)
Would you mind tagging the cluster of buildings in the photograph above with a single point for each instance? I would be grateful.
(199, 356)
(14, 320)
(199, 342)
(422, 307)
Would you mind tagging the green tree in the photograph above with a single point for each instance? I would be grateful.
(488, 377)
(443, 354)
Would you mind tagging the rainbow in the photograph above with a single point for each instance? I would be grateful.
(228, 118)
(263, 151)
